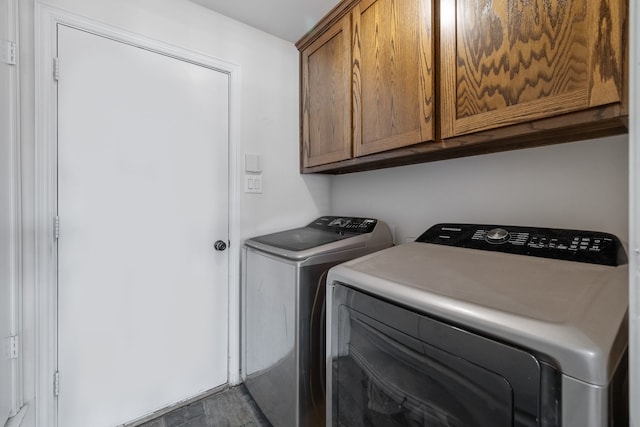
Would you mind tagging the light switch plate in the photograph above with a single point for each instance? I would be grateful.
(253, 183)
(252, 163)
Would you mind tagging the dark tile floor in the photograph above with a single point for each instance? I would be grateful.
(233, 407)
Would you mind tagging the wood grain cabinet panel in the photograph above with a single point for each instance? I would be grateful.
(504, 62)
(392, 74)
(394, 82)
(326, 97)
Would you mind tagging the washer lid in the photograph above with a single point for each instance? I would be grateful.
(300, 239)
(327, 234)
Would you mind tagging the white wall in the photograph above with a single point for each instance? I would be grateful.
(580, 185)
(268, 122)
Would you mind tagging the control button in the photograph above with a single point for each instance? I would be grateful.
(520, 237)
(497, 235)
(340, 222)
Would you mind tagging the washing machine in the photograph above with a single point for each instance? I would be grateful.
(283, 312)
(477, 325)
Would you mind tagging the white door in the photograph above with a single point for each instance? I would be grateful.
(142, 197)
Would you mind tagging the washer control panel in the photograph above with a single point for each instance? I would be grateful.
(341, 224)
(570, 245)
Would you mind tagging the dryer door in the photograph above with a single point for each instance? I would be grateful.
(394, 367)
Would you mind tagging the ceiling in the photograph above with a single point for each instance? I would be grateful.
(287, 19)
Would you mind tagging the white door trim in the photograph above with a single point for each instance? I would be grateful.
(46, 20)
(14, 305)
(634, 214)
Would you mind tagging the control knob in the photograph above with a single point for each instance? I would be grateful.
(497, 235)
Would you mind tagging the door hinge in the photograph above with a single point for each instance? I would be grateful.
(56, 383)
(9, 52)
(56, 227)
(13, 347)
(56, 68)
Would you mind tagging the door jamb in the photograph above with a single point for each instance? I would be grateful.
(634, 213)
(15, 237)
(47, 18)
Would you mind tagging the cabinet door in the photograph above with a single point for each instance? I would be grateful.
(509, 61)
(326, 97)
(392, 74)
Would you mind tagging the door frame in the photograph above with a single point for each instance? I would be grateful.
(634, 213)
(15, 244)
(46, 341)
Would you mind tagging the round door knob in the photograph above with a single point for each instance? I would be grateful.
(497, 235)
(219, 245)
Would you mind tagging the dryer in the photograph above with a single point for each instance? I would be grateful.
(477, 325)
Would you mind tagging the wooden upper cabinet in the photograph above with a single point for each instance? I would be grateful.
(504, 62)
(326, 96)
(392, 74)
(393, 82)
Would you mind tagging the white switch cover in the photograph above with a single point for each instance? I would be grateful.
(253, 163)
(253, 183)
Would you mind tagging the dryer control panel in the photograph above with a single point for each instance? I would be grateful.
(570, 245)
